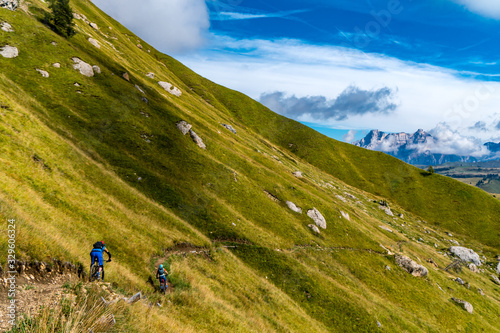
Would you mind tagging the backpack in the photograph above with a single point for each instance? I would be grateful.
(98, 245)
(161, 271)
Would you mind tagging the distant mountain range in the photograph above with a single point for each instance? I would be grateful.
(411, 148)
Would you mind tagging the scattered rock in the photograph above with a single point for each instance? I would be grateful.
(498, 268)
(385, 228)
(401, 216)
(76, 16)
(139, 88)
(197, 139)
(134, 298)
(449, 234)
(77, 84)
(495, 279)
(56, 65)
(387, 210)
(467, 306)
(53, 43)
(145, 100)
(150, 75)
(84, 68)
(459, 281)
(317, 218)
(297, 174)
(314, 228)
(480, 291)
(341, 198)
(349, 195)
(271, 196)
(7, 27)
(94, 42)
(139, 46)
(411, 266)
(345, 215)
(466, 254)
(473, 268)
(388, 268)
(170, 88)
(293, 207)
(379, 324)
(230, 128)
(9, 51)
(184, 127)
(96, 69)
(126, 76)
(93, 25)
(9, 4)
(44, 73)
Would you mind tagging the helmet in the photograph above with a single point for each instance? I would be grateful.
(161, 266)
(102, 242)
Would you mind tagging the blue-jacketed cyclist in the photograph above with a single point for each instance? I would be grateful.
(96, 253)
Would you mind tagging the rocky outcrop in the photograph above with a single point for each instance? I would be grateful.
(184, 127)
(44, 73)
(466, 254)
(170, 88)
(9, 4)
(317, 218)
(84, 68)
(293, 207)
(94, 42)
(466, 305)
(6, 27)
(314, 228)
(230, 128)
(9, 51)
(197, 139)
(411, 266)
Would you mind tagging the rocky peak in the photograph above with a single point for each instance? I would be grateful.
(9, 4)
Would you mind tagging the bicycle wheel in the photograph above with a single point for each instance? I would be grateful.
(94, 270)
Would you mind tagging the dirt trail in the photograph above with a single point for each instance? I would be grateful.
(30, 295)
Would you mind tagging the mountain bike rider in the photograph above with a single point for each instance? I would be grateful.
(161, 274)
(96, 253)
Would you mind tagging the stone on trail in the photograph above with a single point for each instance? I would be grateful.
(197, 139)
(7, 27)
(44, 73)
(466, 254)
(134, 298)
(9, 51)
(84, 68)
(293, 207)
(170, 88)
(466, 305)
(314, 228)
(184, 127)
(411, 266)
(317, 218)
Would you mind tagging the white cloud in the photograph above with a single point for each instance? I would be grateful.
(226, 16)
(169, 25)
(350, 136)
(427, 95)
(488, 8)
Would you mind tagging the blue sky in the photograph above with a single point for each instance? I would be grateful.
(343, 67)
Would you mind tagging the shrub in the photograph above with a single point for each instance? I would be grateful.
(61, 18)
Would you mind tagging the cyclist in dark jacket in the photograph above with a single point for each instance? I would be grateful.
(96, 253)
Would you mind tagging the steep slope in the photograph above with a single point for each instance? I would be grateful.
(86, 158)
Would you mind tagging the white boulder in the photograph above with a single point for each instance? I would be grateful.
(466, 305)
(44, 73)
(317, 218)
(184, 127)
(9, 51)
(345, 215)
(293, 207)
(197, 139)
(170, 88)
(411, 266)
(314, 228)
(94, 42)
(83, 67)
(466, 254)
(7, 27)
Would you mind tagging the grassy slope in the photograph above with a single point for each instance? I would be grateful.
(87, 187)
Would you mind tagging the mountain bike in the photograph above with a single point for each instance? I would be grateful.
(163, 286)
(94, 271)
